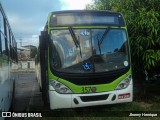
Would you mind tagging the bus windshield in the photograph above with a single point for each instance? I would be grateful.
(89, 50)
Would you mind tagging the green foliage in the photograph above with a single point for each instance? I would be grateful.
(100, 5)
(33, 52)
(143, 22)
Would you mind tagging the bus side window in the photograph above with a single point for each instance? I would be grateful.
(3, 44)
(0, 45)
(2, 38)
(1, 24)
(10, 45)
(6, 51)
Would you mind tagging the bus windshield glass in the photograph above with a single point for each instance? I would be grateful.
(89, 50)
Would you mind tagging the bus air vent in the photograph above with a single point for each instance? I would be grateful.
(94, 98)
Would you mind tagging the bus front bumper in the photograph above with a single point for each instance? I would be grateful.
(59, 101)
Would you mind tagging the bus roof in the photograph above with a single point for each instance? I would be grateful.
(85, 11)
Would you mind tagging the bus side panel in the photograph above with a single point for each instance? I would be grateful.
(4, 86)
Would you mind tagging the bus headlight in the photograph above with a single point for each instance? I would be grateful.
(59, 87)
(124, 83)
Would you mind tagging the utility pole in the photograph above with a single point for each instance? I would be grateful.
(20, 42)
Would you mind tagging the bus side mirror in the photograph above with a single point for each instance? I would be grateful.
(44, 40)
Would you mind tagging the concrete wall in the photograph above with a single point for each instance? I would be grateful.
(26, 65)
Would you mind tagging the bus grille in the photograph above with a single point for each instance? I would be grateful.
(94, 98)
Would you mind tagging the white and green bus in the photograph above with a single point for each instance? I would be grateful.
(8, 63)
(84, 60)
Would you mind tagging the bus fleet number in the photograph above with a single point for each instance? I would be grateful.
(88, 89)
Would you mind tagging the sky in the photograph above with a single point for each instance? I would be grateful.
(28, 17)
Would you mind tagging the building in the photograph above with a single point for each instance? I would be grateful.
(23, 53)
(26, 57)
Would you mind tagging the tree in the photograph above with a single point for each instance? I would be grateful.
(100, 5)
(33, 52)
(143, 23)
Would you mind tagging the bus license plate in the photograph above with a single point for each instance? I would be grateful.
(123, 96)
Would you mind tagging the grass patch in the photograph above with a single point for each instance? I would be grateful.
(150, 101)
(108, 112)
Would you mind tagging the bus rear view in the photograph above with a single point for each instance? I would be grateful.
(85, 60)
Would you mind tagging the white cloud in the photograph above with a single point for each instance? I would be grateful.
(34, 36)
(75, 4)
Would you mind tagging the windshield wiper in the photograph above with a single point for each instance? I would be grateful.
(80, 48)
(99, 47)
(104, 34)
(74, 37)
(102, 38)
(76, 41)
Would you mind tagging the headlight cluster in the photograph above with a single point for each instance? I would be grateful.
(59, 87)
(124, 83)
